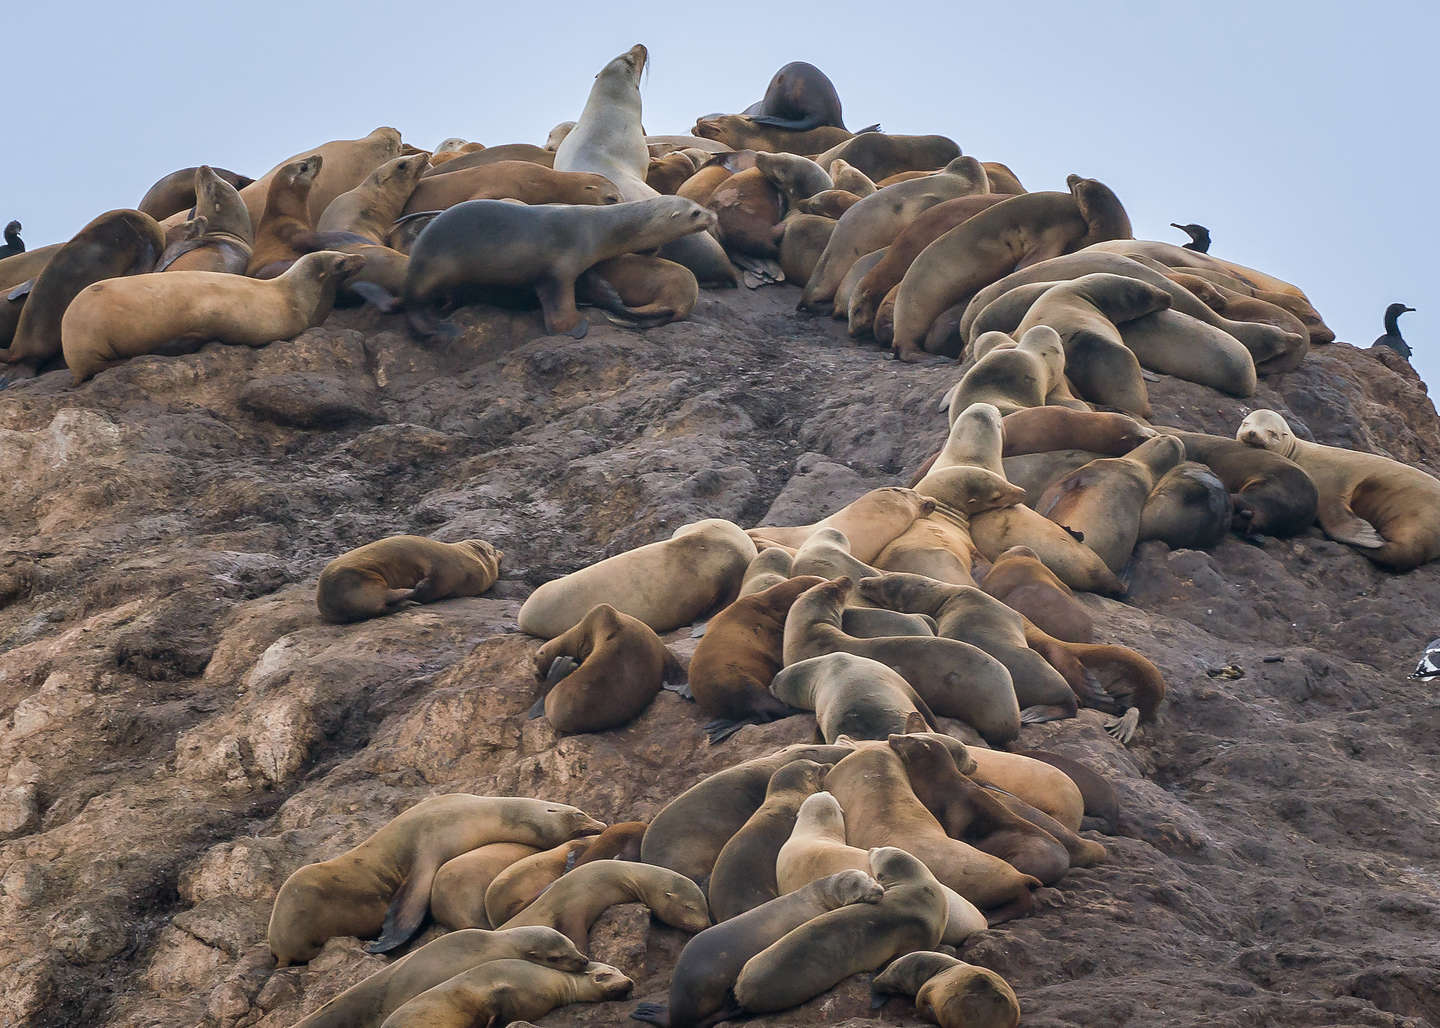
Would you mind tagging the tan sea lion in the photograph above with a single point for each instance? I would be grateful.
(817, 848)
(803, 238)
(832, 203)
(222, 234)
(1179, 257)
(976, 439)
(853, 696)
(1020, 231)
(1017, 375)
(877, 219)
(579, 897)
(1103, 500)
(739, 655)
(710, 962)
(546, 247)
(869, 523)
(381, 577)
(1189, 508)
(518, 180)
(557, 135)
(520, 884)
(457, 896)
(1296, 307)
(665, 584)
(1054, 428)
(1386, 510)
(639, 291)
(622, 664)
(1018, 579)
(504, 991)
(122, 318)
(1002, 179)
(797, 178)
(770, 567)
(972, 814)
(876, 622)
(117, 243)
(492, 155)
(954, 678)
(345, 163)
(740, 132)
(950, 992)
(1073, 562)
(937, 546)
(1036, 472)
(374, 998)
(620, 841)
(744, 874)
(851, 179)
(879, 155)
(852, 279)
(965, 613)
(689, 832)
(862, 937)
(1272, 494)
(1102, 807)
(371, 207)
(608, 140)
(826, 554)
(176, 192)
(384, 882)
(668, 173)
(282, 231)
(1039, 784)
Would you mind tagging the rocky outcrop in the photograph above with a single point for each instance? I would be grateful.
(179, 731)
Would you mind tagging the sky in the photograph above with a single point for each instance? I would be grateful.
(1305, 135)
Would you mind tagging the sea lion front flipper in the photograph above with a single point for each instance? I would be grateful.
(869, 128)
(557, 304)
(423, 592)
(1123, 728)
(944, 407)
(1040, 714)
(560, 667)
(21, 291)
(652, 1013)
(537, 710)
(720, 729)
(681, 689)
(1345, 526)
(407, 910)
(792, 124)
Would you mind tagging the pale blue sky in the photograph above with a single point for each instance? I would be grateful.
(1303, 134)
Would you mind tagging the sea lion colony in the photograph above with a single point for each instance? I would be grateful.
(952, 599)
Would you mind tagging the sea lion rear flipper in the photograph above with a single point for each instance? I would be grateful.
(1123, 728)
(395, 598)
(652, 1013)
(407, 910)
(720, 729)
(21, 291)
(560, 667)
(1093, 694)
(1345, 526)
(698, 632)
(423, 592)
(378, 297)
(537, 709)
(681, 689)
(674, 671)
(1040, 714)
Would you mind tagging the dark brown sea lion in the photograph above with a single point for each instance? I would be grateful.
(622, 664)
(380, 577)
(799, 97)
(176, 192)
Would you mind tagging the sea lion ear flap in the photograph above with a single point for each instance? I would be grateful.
(407, 910)
(915, 722)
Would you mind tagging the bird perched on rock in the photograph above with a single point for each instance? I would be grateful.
(1392, 337)
(1429, 667)
(1199, 237)
(13, 243)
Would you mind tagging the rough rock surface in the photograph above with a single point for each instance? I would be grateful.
(178, 731)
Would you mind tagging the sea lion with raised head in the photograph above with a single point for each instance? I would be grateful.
(371, 207)
(117, 319)
(176, 192)
(622, 664)
(665, 584)
(345, 163)
(381, 577)
(220, 237)
(382, 886)
(1389, 511)
(284, 230)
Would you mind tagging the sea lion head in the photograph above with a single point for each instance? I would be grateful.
(820, 814)
(603, 191)
(300, 174)
(926, 754)
(853, 886)
(328, 266)
(804, 776)
(485, 552)
(1159, 454)
(541, 944)
(1267, 430)
(897, 590)
(892, 866)
(406, 169)
(451, 144)
(389, 136)
(627, 67)
(686, 213)
(611, 981)
(1104, 215)
(557, 135)
(297, 923)
(971, 171)
(1120, 297)
(1044, 342)
(971, 490)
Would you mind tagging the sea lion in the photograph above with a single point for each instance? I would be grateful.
(829, 203)
(374, 998)
(381, 577)
(1179, 257)
(954, 678)
(901, 253)
(1102, 808)
(668, 173)
(1272, 495)
(557, 135)
(744, 874)
(1388, 511)
(620, 841)
(862, 937)
(121, 318)
(966, 614)
(971, 814)
(797, 178)
(976, 439)
(1074, 563)
(176, 192)
(622, 665)
(803, 238)
(505, 991)
(493, 155)
(517, 180)
(739, 655)
(1039, 784)
(799, 97)
(638, 291)
(770, 567)
(937, 546)
(876, 622)
(1036, 472)
(285, 226)
(877, 219)
(950, 992)
(852, 179)
(853, 696)
(371, 207)
(869, 523)
(1020, 231)
(1053, 428)
(1016, 376)
(116, 244)
(457, 896)
(407, 229)
(747, 208)
(826, 554)
(879, 155)
(579, 897)
(23, 267)
(345, 163)
(710, 962)
(665, 584)
(1024, 584)
(689, 832)
(817, 848)
(219, 237)
(1114, 679)
(608, 140)
(515, 887)
(546, 247)
(741, 132)
(1103, 500)
(1189, 508)
(384, 882)
(852, 279)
